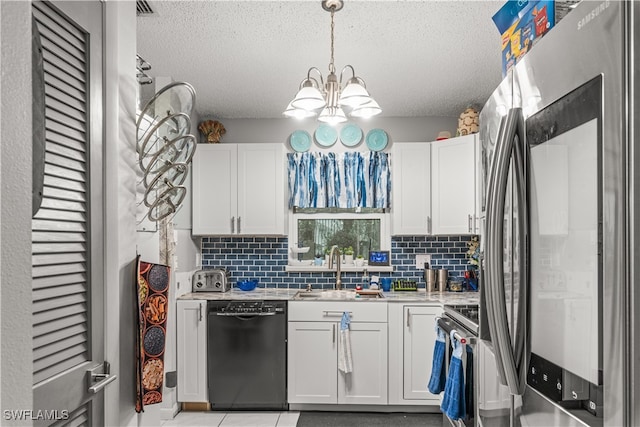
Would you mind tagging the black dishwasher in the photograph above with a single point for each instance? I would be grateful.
(247, 355)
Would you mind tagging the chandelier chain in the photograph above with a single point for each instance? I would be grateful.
(332, 67)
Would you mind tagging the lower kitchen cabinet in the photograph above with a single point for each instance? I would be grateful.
(313, 348)
(411, 342)
(192, 351)
(313, 362)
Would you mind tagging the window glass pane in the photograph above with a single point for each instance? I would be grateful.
(361, 235)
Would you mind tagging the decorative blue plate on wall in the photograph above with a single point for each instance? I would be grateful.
(300, 141)
(326, 135)
(351, 135)
(377, 139)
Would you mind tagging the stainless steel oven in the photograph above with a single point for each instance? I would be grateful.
(464, 319)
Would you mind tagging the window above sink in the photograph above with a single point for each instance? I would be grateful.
(356, 232)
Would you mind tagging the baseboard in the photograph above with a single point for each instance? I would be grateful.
(364, 408)
(196, 406)
(169, 413)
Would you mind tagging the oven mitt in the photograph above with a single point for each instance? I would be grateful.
(453, 402)
(438, 377)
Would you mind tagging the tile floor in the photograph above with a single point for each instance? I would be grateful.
(234, 419)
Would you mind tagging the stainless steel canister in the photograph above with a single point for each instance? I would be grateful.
(443, 276)
(430, 279)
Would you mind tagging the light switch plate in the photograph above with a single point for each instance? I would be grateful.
(421, 259)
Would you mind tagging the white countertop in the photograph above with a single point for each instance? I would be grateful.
(455, 298)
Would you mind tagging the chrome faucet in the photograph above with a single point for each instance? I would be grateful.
(335, 249)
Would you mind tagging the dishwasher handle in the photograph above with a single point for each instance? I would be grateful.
(271, 313)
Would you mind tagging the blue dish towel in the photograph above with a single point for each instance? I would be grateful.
(453, 404)
(438, 376)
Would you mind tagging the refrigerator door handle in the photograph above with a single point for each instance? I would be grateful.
(510, 141)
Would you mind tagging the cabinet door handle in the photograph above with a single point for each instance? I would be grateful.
(429, 225)
(408, 317)
(200, 313)
(239, 223)
(470, 219)
(233, 224)
(333, 340)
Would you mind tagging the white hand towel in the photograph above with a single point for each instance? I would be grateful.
(345, 358)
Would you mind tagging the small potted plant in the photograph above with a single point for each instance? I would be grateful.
(359, 261)
(348, 255)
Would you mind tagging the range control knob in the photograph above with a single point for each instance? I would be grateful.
(199, 285)
(218, 285)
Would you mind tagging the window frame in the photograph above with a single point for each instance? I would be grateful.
(385, 224)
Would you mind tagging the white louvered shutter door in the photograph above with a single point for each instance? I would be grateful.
(64, 234)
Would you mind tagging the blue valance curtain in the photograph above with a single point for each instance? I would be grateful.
(342, 180)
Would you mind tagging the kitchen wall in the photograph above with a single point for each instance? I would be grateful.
(15, 207)
(265, 258)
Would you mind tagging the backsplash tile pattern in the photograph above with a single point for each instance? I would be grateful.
(265, 258)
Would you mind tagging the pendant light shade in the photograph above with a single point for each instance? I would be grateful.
(367, 110)
(297, 113)
(309, 98)
(354, 94)
(328, 96)
(332, 116)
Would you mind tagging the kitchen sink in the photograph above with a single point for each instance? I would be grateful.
(338, 294)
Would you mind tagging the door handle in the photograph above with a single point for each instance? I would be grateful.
(511, 367)
(429, 225)
(470, 223)
(333, 340)
(239, 224)
(233, 224)
(98, 381)
(408, 317)
(200, 312)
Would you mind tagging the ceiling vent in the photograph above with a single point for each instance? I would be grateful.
(143, 8)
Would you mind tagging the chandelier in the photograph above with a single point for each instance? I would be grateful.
(330, 99)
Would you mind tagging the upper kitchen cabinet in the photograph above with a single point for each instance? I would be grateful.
(453, 185)
(239, 189)
(411, 210)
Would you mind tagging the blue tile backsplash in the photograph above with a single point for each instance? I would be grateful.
(265, 258)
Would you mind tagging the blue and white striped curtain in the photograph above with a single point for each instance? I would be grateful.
(345, 180)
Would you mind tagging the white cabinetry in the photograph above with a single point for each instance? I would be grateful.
(313, 348)
(192, 351)
(453, 181)
(411, 210)
(411, 341)
(239, 189)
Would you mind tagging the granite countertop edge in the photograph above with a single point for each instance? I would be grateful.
(455, 298)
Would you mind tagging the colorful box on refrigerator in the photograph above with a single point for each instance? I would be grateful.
(521, 23)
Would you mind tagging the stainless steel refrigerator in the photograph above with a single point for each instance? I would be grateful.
(560, 245)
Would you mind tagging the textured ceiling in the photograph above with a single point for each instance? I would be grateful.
(247, 58)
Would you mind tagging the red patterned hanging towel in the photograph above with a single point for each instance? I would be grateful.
(152, 283)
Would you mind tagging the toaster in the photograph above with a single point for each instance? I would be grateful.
(213, 280)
